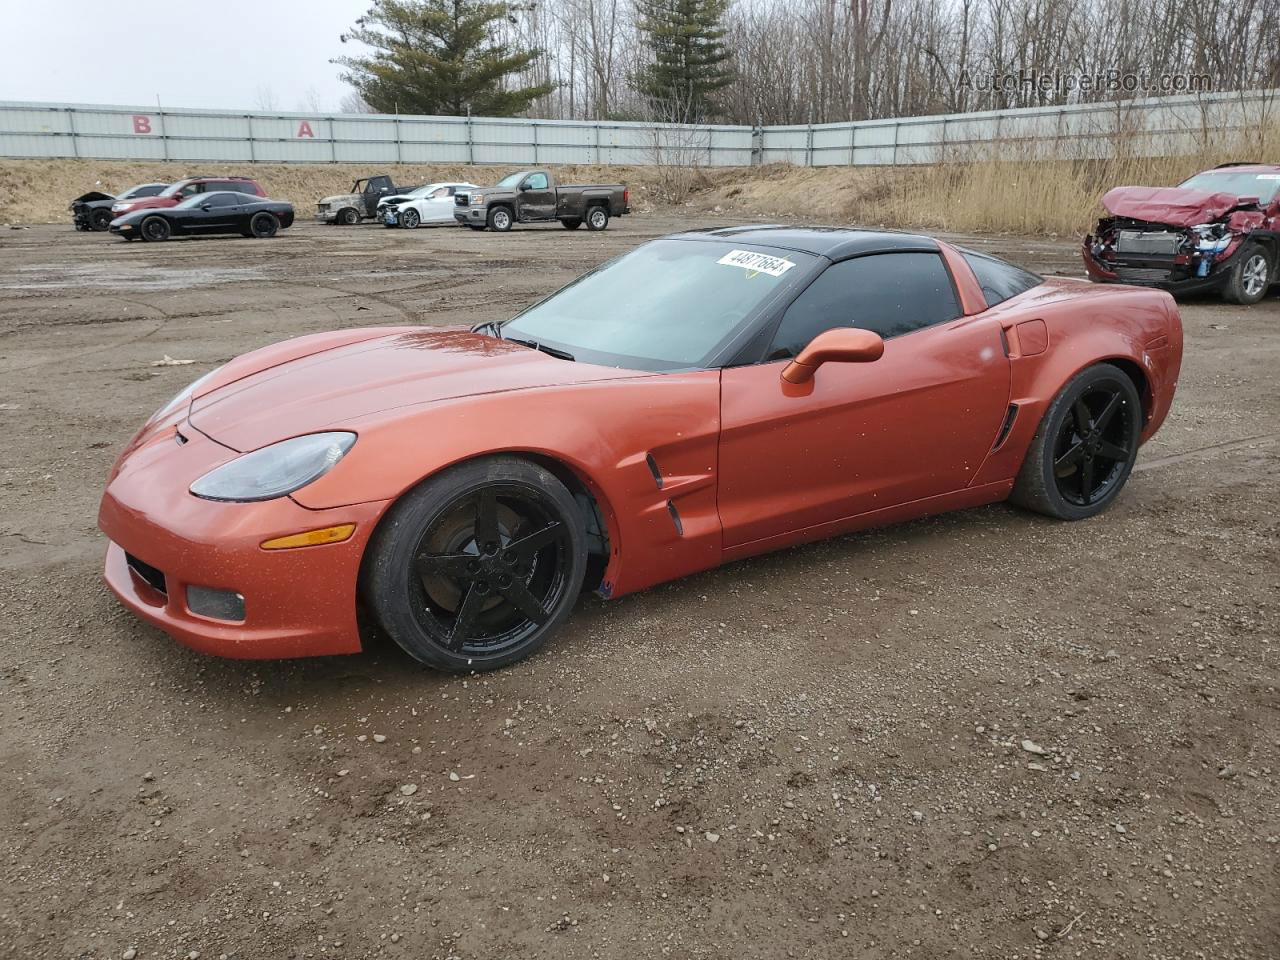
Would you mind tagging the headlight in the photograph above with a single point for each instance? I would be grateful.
(276, 470)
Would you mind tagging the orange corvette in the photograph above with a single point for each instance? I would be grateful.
(705, 397)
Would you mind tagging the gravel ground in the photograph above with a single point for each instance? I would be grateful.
(980, 735)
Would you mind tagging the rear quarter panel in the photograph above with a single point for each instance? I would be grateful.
(1136, 327)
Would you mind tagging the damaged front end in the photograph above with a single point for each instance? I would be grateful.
(83, 207)
(1122, 250)
(1187, 249)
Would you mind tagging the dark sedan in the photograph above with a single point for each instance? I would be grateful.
(205, 213)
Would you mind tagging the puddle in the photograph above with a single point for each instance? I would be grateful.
(52, 276)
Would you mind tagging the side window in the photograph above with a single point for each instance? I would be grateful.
(999, 280)
(222, 200)
(536, 181)
(890, 293)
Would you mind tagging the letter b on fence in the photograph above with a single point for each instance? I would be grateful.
(141, 123)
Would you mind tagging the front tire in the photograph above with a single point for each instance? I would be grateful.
(154, 229)
(597, 218)
(347, 217)
(101, 220)
(1250, 276)
(476, 567)
(1085, 446)
(410, 219)
(264, 225)
(500, 219)
(571, 223)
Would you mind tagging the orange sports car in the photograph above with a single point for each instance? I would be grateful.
(705, 397)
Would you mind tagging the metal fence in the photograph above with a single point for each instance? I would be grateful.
(1153, 127)
(140, 133)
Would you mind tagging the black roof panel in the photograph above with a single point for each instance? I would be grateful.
(834, 243)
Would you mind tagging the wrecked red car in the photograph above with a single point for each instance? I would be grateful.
(1216, 231)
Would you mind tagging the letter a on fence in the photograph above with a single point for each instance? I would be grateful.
(304, 129)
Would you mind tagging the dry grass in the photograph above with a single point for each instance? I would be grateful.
(995, 190)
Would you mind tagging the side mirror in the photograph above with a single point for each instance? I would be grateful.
(206, 206)
(525, 188)
(841, 345)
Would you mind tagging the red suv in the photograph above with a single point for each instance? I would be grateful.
(175, 193)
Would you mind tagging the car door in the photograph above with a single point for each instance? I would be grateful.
(537, 198)
(218, 213)
(437, 206)
(860, 437)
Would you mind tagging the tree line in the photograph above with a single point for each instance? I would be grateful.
(798, 61)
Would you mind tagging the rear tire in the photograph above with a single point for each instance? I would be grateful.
(100, 220)
(571, 223)
(154, 229)
(598, 218)
(1250, 275)
(1084, 448)
(500, 219)
(476, 567)
(264, 225)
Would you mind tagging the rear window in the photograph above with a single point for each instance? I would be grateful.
(1000, 281)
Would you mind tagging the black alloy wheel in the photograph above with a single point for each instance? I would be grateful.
(154, 229)
(264, 225)
(101, 219)
(477, 566)
(1085, 447)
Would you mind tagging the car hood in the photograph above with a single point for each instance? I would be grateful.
(92, 196)
(324, 382)
(1169, 205)
(339, 197)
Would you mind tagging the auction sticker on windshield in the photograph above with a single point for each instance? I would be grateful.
(756, 262)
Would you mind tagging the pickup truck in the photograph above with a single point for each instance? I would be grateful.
(360, 204)
(532, 196)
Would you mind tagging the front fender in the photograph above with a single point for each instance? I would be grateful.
(660, 526)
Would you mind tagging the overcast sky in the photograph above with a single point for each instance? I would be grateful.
(238, 54)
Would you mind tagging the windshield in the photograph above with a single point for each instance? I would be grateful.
(667, 305)
(421, 191)
(512, 180)
(1239, 184)
(142, 190)
(173, 188)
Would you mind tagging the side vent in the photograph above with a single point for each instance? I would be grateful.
(1005, 427)
(675, 518)
(653, 468)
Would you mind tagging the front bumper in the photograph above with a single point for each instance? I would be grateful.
(326, 216)
(1146, 273)
(298, 602)
(469, 214)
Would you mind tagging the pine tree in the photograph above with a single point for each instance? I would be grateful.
(690, 61)
(438, 57)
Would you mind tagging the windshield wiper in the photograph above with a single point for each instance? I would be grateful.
(549, 351)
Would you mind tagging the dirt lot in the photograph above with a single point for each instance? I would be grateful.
(812, 754)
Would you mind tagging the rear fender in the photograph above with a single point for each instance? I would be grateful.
(1139, 328)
